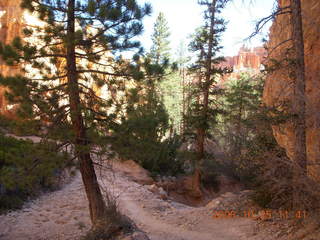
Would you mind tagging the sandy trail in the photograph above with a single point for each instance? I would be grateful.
(169, 220)
(64, 215)
(56, 215)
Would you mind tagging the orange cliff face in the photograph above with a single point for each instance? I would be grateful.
(12, 21)
(278, 86)
(247, 60)
(10, 26)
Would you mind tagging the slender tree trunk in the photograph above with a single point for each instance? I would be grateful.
(196, 178)
(201, 132)
(299, 102)
(183, 101)
(237, 151)
(89, 178)
(208, 74)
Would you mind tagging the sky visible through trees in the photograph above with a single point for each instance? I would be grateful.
(241, 17)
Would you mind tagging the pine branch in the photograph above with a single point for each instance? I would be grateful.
(104, 73)
(49, 79)
(262, 22)
(44, 56)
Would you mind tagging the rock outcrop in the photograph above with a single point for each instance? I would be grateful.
(248, 60)
(278, 87)
(135, 172)
(12, 21)
(11, 24)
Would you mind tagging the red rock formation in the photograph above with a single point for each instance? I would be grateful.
(247, 60)
(10, 27)
(278, 87)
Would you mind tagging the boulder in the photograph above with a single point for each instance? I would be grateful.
(163, 194)
(136, 173)
(153, 188)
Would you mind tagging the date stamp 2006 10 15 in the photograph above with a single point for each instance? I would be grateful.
(264, 214)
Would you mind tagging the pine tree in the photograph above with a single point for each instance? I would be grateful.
(242, 100)
(160, 49)
(143, 125)
(64, 62)
(206, 45)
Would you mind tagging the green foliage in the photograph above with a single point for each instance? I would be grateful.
(20, 127)
(247, 138)
(243, 128)
(171, 92)
(205, 108)
(43, 92)
(160, 50)
(26, 168)
(182, 57)
(141, 134)
(242, 103)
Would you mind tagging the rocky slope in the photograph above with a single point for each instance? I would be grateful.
(278, 87)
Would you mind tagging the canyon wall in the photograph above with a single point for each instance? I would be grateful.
(278, 87)
(11, 24)
(12, 21)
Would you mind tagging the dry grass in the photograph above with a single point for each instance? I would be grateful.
(289, 185)
(114, 223)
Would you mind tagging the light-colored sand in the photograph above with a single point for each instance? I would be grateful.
(64, 215)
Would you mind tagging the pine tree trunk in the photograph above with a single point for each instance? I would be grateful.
(299, 105)
(196, 179)
(299, 102)
(89, 178)
(201, 132)
(183, 102)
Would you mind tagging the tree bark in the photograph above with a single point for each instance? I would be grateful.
(299, 101)
(82, 149)
(299, 104)
(201, 131)
(183, 129)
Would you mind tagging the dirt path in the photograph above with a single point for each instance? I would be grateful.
(169, 220)
(64, 215)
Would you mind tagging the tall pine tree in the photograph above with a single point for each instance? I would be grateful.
(204, 111)
(65, 61)
(160, 49)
